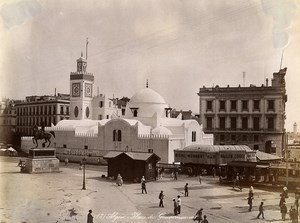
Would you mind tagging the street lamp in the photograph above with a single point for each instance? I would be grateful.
(83, 180)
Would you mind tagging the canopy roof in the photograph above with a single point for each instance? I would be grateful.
(132, 155)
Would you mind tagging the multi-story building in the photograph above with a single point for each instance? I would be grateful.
(7, 120)
(252, 116)
(41, 111)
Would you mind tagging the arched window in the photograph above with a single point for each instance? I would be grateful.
(119, 135)
(193, 136)
(115, 135)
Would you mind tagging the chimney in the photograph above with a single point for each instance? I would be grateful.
(267, 82)
(55, 92)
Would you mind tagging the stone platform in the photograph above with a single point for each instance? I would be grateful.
(41, 161)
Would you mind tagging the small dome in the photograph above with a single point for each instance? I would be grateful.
(161, 130)
(147, 95)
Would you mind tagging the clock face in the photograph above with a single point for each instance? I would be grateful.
(76, 89)
(88, 90)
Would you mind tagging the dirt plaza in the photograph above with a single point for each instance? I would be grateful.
(58, 197)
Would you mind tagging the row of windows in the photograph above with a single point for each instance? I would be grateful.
(7, 112)
(31, 121)
(7, 122)
(42, 110)
(234, 137)
(244, 124)
(210, 156)
(244, 105)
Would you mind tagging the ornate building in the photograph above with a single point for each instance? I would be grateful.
(252, 116)
(98, 125)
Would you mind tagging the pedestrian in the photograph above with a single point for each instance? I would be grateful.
(66, 161)
(250, 198)
(198, 215)
(294, 215)
(282, 199)
(119, 180)
(285, 192)
(20, 164)
(179, 204)
(283, 211)
(175, 175)
(204, 220)
(175, 206)
(90, 217)
(261, 210)
(200, 178)
(214, 172)
(80, 165)
(143, 183)
(161, 199)
(251, 191)
(186, 190)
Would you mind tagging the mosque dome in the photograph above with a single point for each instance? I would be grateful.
(145, 104)
(161, 130)
(147, 95)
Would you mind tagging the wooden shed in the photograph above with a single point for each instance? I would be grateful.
(131, 165)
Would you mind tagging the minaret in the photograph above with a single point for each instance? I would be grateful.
(295, 128)
(81, 91)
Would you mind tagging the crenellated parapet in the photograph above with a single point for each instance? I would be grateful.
(84, 134)
(26, 138)
(59, 128)
(151, 136)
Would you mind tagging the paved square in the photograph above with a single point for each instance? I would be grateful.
(58, 197)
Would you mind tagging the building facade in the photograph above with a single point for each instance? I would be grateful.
(7, 120)
(41, 111)
(253, 116)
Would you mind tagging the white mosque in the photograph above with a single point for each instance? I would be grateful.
(146, 125)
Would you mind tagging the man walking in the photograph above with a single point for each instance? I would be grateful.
(143, 183)
(161, 199)
(90, 217)
(250, 198)
(186, 190)
(200, 178)
(175, 206)
(261, 210)
(198, 215)
(179, 204)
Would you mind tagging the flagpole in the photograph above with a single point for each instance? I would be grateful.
(86, 48)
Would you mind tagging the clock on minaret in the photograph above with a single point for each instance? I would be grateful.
(76, 89)
(88, 90)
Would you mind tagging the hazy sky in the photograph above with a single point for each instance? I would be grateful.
(179, 45)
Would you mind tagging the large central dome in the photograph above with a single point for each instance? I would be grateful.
(145, 104)
(147, 95)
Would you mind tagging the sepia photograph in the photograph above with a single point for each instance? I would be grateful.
(145, 111)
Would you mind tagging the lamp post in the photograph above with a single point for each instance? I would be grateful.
(83, 180)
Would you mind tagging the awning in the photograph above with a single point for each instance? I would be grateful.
(262, 166)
